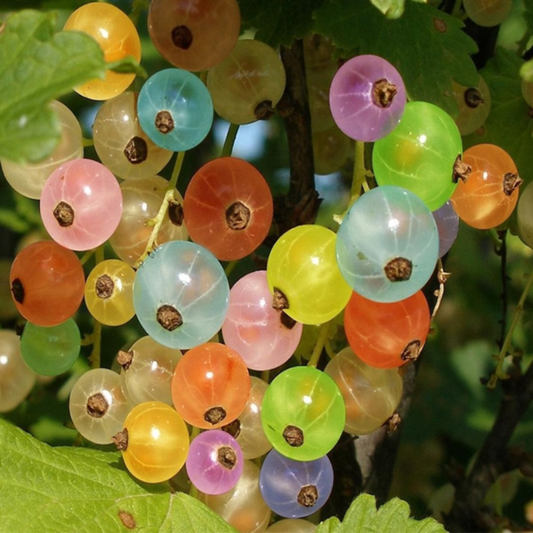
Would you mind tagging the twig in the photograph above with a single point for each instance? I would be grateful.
(493, 458)
(300, 205)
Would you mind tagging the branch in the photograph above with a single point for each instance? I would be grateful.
(376, 453)
(300, 205)
(494, 457)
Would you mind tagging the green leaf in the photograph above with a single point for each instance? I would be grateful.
(278, 21)
(76, 489)
(331, 525)
(13, 221)
(128, 65)
(509, 124)
(426, 46)
(390, 8)
(393, 517)
(36, 66)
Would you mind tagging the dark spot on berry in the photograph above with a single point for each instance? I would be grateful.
(227, 457)
(175, 213)
(398, 269)
(169, 317)
(264, 110)
(64, 214)
(136, 150)
(182, 37)
(18, 290)
(214, 415)
(233, 428)
(164, 122)
(411, 351)
(104, 287)
(308, 495)
(97, 405)
(237, 216)
(279, 300)
(294, 436)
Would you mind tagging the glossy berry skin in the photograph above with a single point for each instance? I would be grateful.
(228, 208)
(47, 283)
(175, 109)
(242, 507)
(16, 378)
(371, 394)
(523, 215)
(98, 406)
(211, 386)
(29, 179)
(248, 83)
(214, 463)
(50, 351)
(117, 36)
(81, 204)
(474, 106)
(294, 489)
(387, 335)
(447, 225)
(142, 199)
(148, 377)
(187, 33)
(181, 282)
(303, 401)
(120, 142)
(247, 428)
(158, 442)
(303, 267)
(331, 150)
(367, 98)
(254, 329)
(387, 244)
(292, 525)
(487, 13)
(109, 292)
(420, 154)
(488, 197)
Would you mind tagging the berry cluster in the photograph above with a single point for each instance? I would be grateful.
(182, 398)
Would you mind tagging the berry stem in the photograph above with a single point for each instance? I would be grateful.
(498, 372)
(230, 267)
(176, 172)
(320, 343)
(359, 172)
(94, 358)
(87, 142)
(163, 209)
(86, 256)
(230, 140)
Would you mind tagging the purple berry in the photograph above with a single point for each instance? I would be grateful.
(215, 462)
(294, 489)
(367, 98)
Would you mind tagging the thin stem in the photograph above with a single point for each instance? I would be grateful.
(498, 372)
(94, 358)
(230, 140)
(265, 375)
(439, 293)
(157, 221)
(320, 343)
(203, 76)
(329, 349)
(456, 11)
(87, 142)
(359, 172)
(194, 433)
(176, 171)
(99, 254)
(230, 267)
(86, 256)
